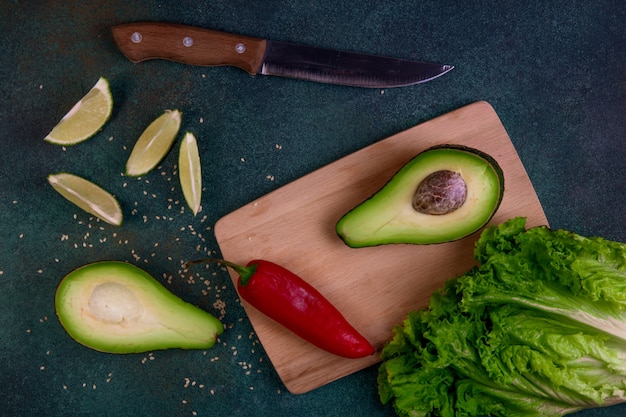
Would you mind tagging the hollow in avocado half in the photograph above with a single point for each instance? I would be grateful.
(116, 307)
(445, 193)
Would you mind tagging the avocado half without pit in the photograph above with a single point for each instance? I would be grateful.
(445, 193)
(116, 307)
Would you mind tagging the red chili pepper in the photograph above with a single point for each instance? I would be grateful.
(288, 299)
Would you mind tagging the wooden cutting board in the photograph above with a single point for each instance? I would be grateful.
(374, 287)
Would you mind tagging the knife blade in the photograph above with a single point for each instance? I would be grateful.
(206, 47)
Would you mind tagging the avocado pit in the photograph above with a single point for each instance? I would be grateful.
(441, 192)
(113, 303)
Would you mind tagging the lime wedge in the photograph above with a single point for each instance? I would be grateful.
(88, 196)
(190, 173)
(153, 144)
(86, 118)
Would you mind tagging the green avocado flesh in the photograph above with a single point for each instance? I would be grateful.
(467, 185)
(116, 307)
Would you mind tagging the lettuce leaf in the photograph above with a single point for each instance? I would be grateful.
(537, 329)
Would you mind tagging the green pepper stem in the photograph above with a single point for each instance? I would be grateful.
(245, 272)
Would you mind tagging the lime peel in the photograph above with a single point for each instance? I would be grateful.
(88, 196)
(190, 173)
(154, 143)
(85, 118)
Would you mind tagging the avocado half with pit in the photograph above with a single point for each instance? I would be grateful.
(117, 307)
(445, 193)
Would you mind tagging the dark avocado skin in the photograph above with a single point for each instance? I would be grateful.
(387, 217)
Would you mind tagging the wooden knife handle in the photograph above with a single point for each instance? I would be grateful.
(189, 45)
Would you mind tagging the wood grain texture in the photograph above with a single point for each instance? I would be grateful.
(374, 287)
(188, 45)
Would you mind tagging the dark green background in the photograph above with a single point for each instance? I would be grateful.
(553, 71)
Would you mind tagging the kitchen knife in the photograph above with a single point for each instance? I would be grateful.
(196, 46)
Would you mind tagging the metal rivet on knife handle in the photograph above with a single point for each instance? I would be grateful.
(187, 41)
(136, 37)
(240, 48)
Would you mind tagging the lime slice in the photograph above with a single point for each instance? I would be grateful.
(88, 196)
(190, 173)
(154, 143)
(86, 118)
